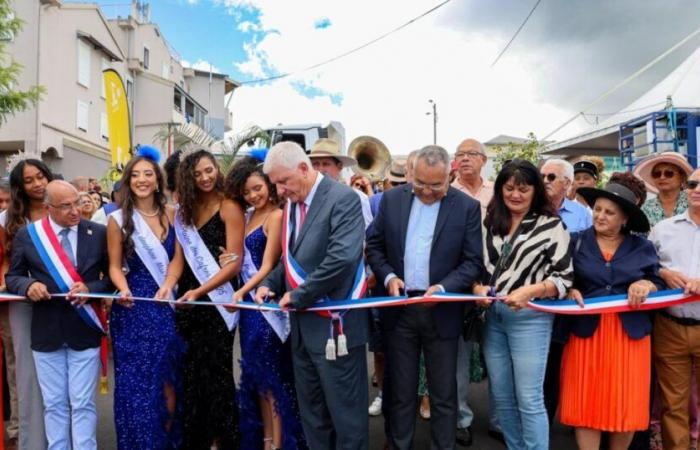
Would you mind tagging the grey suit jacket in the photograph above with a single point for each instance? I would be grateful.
(329, 248)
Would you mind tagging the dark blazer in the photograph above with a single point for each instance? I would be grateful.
(456, 256)
(329, 249)
(636, 259)
(55, 322)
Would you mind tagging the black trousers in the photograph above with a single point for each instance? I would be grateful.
(415, 331)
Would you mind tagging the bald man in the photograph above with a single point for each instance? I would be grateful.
(471, 158)
(63, 254)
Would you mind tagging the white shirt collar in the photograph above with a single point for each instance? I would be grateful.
(314, 188)
(57, 228)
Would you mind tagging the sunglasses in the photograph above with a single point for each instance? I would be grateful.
(549, 177)
(666, 173)
(693, 184)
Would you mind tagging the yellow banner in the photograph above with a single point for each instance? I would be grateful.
(117, 119)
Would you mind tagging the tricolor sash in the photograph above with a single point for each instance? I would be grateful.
(204, 266)
(296, 276)
(62, 271)
(147, 246)
(614, 303)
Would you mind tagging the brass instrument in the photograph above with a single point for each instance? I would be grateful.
(372, 157)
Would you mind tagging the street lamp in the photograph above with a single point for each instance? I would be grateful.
(435, 118)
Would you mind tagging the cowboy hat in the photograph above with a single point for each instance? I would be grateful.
(328, 148)
(624, 198)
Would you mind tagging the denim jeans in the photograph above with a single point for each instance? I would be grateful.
(516, 345)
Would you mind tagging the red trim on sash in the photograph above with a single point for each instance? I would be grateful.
(48, 229)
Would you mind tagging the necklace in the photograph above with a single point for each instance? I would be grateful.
(149, 214)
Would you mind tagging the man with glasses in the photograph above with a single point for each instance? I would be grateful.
(677, 329)
(558, 175)
(470, 158)
(425, 239)
(63, 254)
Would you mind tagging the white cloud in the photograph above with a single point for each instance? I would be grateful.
(385, 87)
(201, 64)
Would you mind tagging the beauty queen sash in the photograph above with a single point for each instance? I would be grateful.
(296, 276)
(147, 246)
(204, 266)
(62, 271)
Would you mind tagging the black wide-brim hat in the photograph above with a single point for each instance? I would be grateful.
(624, 198)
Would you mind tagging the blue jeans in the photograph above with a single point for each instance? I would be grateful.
(68, 381)
(516, 345)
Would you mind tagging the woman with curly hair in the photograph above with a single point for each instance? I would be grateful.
(148, 352)
(208, 224)
(267, 400)
(28, 180)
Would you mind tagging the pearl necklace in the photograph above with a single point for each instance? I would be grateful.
(148, 215)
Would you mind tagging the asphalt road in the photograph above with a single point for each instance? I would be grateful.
(562, 438)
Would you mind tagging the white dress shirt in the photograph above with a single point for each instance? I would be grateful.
(366, 209)
(307, 202)
(72, 236)
(677, 241)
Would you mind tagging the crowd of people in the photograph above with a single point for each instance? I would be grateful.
(182, 244)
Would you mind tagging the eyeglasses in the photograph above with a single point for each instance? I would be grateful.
(549, 177)
(666, 173)
(65, 207)
(433, 187)
(358, 186)
(693, 184)
(397, 183)
(471, 155)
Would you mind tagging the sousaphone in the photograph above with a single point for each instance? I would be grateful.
(372, 156)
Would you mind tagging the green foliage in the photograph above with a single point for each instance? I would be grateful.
(251, 136)
(11, 99)
(529, 150)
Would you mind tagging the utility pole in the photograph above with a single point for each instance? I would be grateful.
(435, 119)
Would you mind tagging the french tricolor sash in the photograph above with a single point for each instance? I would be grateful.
(62, 271)
(296, 276)
(204, 266)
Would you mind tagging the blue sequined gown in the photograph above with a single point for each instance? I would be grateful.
(266, 366)
(148, 354)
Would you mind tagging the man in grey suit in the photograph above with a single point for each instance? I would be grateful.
(324, 237)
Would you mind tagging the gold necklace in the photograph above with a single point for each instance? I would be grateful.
(150, 214)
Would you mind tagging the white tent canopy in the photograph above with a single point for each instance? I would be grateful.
(682, 86)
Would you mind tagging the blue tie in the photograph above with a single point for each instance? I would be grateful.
(65, 243)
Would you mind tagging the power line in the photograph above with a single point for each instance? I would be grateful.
(516, 33)
(349, 52)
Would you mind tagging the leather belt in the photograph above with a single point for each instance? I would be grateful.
(685, 321)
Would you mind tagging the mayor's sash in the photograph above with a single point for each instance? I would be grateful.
(278, 320)
(204, 266)
(146, 245)
(62, 271)
(296, 276)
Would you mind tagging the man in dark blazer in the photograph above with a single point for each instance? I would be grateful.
(425, 239)
(326, 231)
(65, 345)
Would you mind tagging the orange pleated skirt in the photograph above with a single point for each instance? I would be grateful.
(605, 379)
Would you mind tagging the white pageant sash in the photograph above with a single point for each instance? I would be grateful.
(204, 266)
(278, 320)
(147, 246)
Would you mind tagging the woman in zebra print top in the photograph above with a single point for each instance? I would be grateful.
(526, 256)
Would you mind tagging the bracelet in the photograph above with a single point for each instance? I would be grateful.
(172, 276)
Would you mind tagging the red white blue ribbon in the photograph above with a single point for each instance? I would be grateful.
(62, 270)
(614, 303)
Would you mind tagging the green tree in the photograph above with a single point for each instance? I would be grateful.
(12, 100)
(529, 150)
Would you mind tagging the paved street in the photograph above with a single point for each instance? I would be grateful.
(561, 438)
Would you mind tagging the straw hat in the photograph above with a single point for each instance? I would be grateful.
(646, 166)
(328, 148)
(624, 198)
(396, 172)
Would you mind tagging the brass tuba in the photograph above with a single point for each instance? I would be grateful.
(371, 155)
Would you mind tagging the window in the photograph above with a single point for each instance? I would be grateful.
(83, 63)
(129, 88)
(165, 71)
(104, 126)
(146, 58)
(82, 115)
(105, 66)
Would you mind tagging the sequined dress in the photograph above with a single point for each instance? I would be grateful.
(148, 354)
(210, 392)
(266, 366)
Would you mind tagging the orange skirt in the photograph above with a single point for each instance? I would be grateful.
(605, 379)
